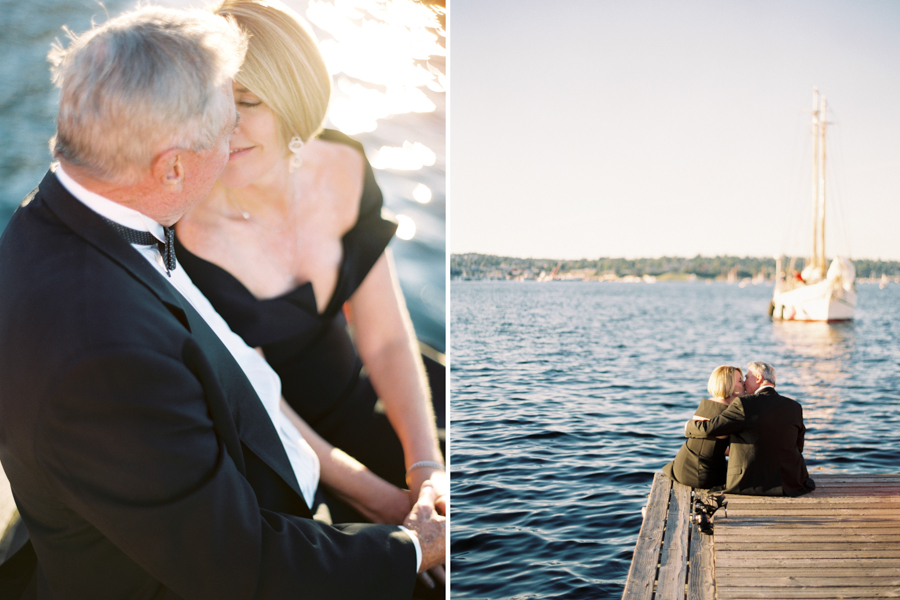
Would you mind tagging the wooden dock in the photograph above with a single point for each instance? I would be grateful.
(840, 541)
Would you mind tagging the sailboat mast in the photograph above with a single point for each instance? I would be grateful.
(822, 124)
(815, 178)
(810, 295)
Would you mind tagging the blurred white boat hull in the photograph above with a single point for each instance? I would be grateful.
(817, 302)
(831, 299)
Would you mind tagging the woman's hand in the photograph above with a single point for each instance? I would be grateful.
(419, 475)
(441, 484)
(435, 577)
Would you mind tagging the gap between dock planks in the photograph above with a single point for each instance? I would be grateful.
(840, 541)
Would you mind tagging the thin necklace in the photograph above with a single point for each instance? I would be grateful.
(290, 276)
(248, 217)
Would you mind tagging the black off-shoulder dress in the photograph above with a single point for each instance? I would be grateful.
(701, 463)
(321, 372)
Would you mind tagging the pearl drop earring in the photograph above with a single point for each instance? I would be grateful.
(295, 145)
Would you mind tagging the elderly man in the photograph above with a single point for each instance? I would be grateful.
(143, 440)
(766, 455)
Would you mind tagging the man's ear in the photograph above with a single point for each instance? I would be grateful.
(168, 169)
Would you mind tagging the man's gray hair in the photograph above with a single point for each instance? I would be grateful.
(140, 84)
(764, 370)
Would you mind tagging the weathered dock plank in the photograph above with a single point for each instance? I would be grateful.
(641, 581)
(701, 580)
(796, 546)
(782, 580)
(851, 593)
(798, 534)
(725, 560)
(823, 572)
(840, 541)
(672, 560)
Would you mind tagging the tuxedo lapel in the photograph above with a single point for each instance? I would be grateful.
(242, 414)
(90, 226)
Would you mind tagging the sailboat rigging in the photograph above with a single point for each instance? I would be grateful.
(816, 294)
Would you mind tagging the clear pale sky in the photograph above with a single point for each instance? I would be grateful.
(589, 128)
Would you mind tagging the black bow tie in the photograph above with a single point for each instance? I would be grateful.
(145, 238)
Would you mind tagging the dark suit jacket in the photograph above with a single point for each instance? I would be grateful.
(766, 445)
(141, 459)
(700, 463)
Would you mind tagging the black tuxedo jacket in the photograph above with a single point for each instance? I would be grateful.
(701, 463)
(141, 460)
(766, 456)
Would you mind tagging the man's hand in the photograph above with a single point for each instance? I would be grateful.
(429, 526)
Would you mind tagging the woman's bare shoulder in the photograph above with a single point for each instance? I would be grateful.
(338, 159)
(337, 173)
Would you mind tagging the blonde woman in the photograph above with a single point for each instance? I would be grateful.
(701, 463)
(289, 244)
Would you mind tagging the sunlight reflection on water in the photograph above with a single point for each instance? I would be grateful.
(376, 51)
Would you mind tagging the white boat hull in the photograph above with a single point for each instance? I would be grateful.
(822, 301)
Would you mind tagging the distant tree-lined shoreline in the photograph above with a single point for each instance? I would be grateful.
(487, 266)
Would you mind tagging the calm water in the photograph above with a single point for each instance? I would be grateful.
(28, 104)
(567, 397)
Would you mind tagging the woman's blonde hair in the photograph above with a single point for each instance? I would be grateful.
(283, 65)
(721, 382)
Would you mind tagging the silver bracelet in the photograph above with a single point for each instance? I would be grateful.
(425, 463)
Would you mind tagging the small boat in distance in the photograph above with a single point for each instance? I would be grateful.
(816, 293)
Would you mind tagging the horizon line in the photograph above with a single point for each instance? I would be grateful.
(452, 254)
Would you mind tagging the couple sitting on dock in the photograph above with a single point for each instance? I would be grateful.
(757, 429)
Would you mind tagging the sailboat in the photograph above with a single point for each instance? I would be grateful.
(819, 292)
